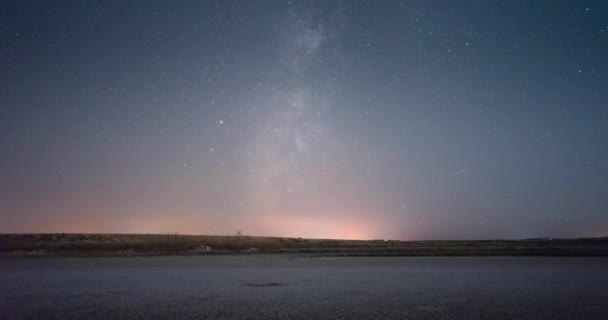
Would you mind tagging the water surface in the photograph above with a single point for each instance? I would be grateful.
(282, 287)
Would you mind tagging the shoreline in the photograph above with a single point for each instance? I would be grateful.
(125, 245)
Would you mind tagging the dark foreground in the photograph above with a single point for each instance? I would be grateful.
(283, 287)
(96, 245)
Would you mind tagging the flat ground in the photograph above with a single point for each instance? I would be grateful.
(297, 287)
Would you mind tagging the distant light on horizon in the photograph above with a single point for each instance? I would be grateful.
(366, 120)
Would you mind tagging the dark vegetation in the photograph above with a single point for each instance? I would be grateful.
(174, 244)
(266, 284)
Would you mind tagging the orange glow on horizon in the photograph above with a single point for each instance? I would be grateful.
(320, 228)
(271, 225)
(274, 225)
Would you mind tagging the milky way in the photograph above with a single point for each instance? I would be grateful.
(346, 119)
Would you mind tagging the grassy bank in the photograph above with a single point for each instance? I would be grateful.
(172, 244)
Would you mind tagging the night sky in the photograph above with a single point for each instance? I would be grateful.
(333, 119)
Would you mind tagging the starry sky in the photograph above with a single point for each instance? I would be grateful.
(328, 119)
